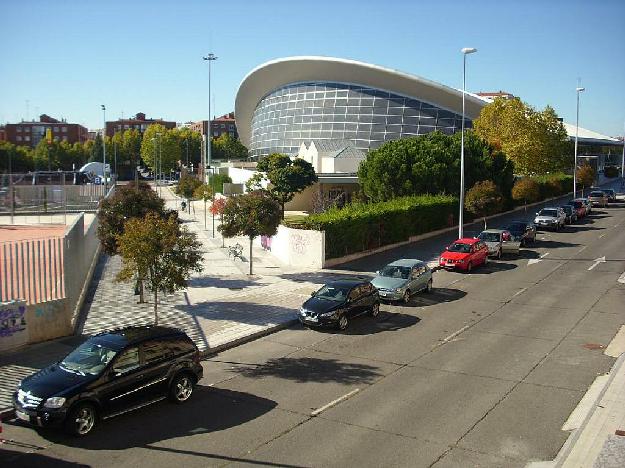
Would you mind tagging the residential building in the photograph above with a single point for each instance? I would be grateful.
(138, 122)
(31, 133)
(219, 125)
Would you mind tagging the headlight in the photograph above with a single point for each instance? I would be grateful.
(460, 261)
(54, 402)
(302, 310)
(332, 314)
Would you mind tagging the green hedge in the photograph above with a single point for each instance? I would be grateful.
(358, 227)
(552, 185)
(610, 171)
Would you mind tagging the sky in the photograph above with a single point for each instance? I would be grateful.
(65, 58)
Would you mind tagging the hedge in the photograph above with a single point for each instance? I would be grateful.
(552, 185)
(359, 226)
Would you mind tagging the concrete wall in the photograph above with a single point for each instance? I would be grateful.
(49, 320)
(298, 247)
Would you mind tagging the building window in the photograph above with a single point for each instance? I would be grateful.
(18, 138)
(231, 134)
(64, 129)
(216, 133)
(26, 138)
(231, 127)
(19, 129)
(64, 137)
(27, 129)
(56, 130)
(223, 125)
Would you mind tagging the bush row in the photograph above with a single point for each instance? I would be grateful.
(552, 185)
(360, 226)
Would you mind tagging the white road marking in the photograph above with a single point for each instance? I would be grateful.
(520, 291)
(582, 249)
(597, 262)
(621, 279)
(334, 402)
(531, 261)
(617, 345)
(601, 236)
(454, 334)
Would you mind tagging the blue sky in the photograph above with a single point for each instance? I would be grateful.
(67, 57)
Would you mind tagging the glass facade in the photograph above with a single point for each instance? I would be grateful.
(368, 117)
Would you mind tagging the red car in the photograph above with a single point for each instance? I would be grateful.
(579, 208)
(464, 254)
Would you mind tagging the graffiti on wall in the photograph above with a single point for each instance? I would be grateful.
(46, 311)
(12, 318)
(299, 243)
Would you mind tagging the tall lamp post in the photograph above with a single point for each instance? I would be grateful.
(153, 139)
(160, 161)
(465, 51)
(578, 90)
(623, 158)
(104, 146)
(210, 58)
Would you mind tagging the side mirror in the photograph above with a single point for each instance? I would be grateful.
(377, 272)
(447, 248)
(536, 214)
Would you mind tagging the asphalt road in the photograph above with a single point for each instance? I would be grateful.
(482, 372)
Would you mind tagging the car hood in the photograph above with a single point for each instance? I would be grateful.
(546, 218)
(454, 255)
(319, 305)
(385, 282)
(52, 381)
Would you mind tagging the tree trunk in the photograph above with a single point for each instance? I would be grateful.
(282, 204)
(155, 306)
(141, 297)
(251, 256)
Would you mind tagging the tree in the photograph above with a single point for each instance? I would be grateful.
(586, 175)
(536, 141)
(483, 199)
(190, 143)
(96, 154)
(187, 185)
(430, 163)
(204, 192)
(252, 214)
(163, 149)
(14, 158)
(217, 208)
(286, 177)
(227, 147)
(527, 190)
(159, 251)
(217, 181)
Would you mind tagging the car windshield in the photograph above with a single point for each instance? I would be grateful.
(609, 191)
(88, 358)
(391, 271)
(333, 293)
(516, 227)
(489, 236)
(596, 194)
(552, 213)
(458, 247)
(568, 209)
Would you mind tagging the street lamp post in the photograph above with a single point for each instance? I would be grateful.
(104, 146)
(623, 158)
(160, 161)
(465, 51)
(187, 143)
(153, 139)
(210, 58)
(578, 90)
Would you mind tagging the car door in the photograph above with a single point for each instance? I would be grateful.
(124, 382)
(354, 300)
(420, 278)
(480, 252)
(157, 358)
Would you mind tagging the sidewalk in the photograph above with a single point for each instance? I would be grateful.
(223, 306)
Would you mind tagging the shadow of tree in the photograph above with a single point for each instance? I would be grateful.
(322, 277)
(208, 410)
(222, 282)
(308, 369)
(18, 459)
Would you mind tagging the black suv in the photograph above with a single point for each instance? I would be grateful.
(110, 374)
(339, 301)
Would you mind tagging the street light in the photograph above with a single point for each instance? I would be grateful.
(578, 90)
(160, 160)
(104, 146)
(207, 158)
(465, 51)
(623, 158)
(153, 139)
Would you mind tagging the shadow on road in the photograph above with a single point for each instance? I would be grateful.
(208, 410)
(17, 459)
(437, 296)
(552, 244)
(307, 369)
(224, 283)
(493, 267)
(323, 277)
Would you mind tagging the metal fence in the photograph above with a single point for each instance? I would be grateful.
(32, 270)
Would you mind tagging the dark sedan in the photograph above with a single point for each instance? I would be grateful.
(523, 230)
(337, 302)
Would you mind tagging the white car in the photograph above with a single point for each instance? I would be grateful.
(551, 218)
(500, 241)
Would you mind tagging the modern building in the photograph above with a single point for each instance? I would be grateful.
(285, 102)
(596, 149)
(219, 125)
(139, 122)
(31, 133)
(491, 96)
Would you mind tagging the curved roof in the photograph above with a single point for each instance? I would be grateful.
(281, 72)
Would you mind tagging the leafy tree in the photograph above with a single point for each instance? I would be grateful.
(15, 158)
(203, 192)
(159, 251)
(536, 141)
(187, 186)
(483, 199)
(217, 181)
(165, 148)
(586, 176)
(190, 141)
(217, 208)
(227, 147)
(431, 164)
(96, 149)
(527, 190)
(252, 214)
(286, 177)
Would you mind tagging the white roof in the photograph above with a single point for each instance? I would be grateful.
(589, 136)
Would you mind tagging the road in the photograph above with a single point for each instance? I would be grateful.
(483, 372)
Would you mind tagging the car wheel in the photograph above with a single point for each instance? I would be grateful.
(343, 322)
(375, 309)
(181, 388)
(486, 260)
(81, 419)
(429, 286)
(470, 267)
(406, 298)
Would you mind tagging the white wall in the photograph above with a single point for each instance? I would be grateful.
(299, 247)
(241, 176)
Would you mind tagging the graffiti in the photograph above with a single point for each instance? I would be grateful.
(46, 311)
(298, 243)
(12, 319)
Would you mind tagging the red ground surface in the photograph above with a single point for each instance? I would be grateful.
(23, 232)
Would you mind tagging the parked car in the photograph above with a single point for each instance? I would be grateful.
(570, 214)
(499, 241)
(337, 302)
(587, 204)
(464, 254)
(523, 231)
(551, 217)
(108, 375)
(611, 194)
(401, 279)
(598, 198)
(579, 206)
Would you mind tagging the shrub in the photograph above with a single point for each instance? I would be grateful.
(610, 171)
(187, 186)
(553, 185)
(484, 199)
(526, 190)
(586, 175)
(360, 226)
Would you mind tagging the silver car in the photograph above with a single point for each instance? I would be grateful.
(598, 198)
(401, 279)
(550, 217)
(500, 241)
